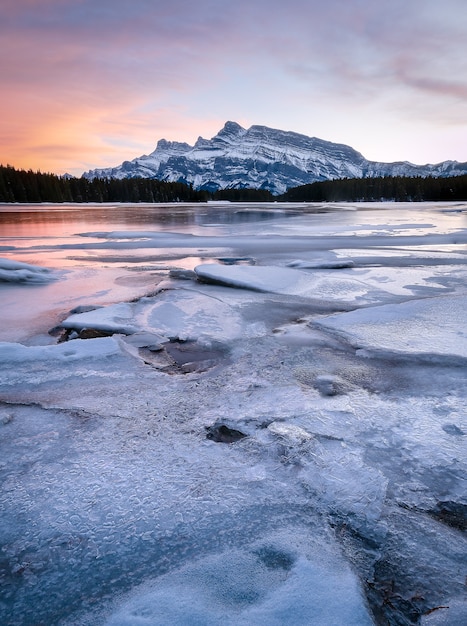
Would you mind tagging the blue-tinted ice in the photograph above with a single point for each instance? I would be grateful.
(325, 350)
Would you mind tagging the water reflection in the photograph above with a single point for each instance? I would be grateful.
(105, 269)
(51, 220)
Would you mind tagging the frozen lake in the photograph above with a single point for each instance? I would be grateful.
(233, 414)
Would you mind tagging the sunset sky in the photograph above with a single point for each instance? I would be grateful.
(90, 83)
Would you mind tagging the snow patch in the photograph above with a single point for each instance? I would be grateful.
(410, 328)
(267, 584)
(64, 352)
(17, 272)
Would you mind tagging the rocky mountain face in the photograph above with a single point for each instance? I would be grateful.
(262, 158)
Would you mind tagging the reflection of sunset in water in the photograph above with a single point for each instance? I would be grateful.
(106, 253)
(323, 347)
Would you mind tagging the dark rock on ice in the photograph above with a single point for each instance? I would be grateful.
(452, 429)
(329, 385)
(93, 333)
(452, 513)
(68, 334)
(181, 274)
(220, 433)
(186, 352)
(85, 308)
(57, 331)
(181, 356)
(234, 260)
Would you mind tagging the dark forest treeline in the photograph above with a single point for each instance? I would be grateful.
(28, 186)
(243, 195)
(396, 188)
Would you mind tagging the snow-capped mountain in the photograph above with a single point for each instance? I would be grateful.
(262, 158)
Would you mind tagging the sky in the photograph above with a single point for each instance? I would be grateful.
(91, 83)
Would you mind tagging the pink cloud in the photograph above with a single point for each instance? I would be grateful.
(81, 80)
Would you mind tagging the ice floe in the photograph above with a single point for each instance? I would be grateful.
(289, 281)
(182, 314)
(62, 353)
(116, 318)
(428, 328)
(324, 261)
(18, 272)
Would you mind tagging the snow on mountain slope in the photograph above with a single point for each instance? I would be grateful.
(262, 158)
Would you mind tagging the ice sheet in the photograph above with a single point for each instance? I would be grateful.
(62, 353)
(271, 583)
(427, 328)
(341, 498)
(18, 272)
(183, 314)
(289, 281)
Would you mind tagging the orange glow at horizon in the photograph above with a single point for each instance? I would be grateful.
(91, 83)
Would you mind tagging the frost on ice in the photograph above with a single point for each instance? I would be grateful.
(183, 314)
(336, 494)
(282, 280)
(427, 328)
(279, 580)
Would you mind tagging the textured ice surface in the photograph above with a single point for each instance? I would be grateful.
(344, 502)
(280, 580)
(288, 281)
(431, 327)
(322, 260)
(452, 613)
(62, 353)
(184, 314)
(117, 318)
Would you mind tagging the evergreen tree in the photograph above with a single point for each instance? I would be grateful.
(28, 186)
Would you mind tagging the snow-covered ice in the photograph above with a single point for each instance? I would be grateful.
(428, 328)
(327, 351)
(184, 314)
(15, 352)
(283, 280)
(280, 580)
(18, 272)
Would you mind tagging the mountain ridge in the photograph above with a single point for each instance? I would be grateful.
(262, 158)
